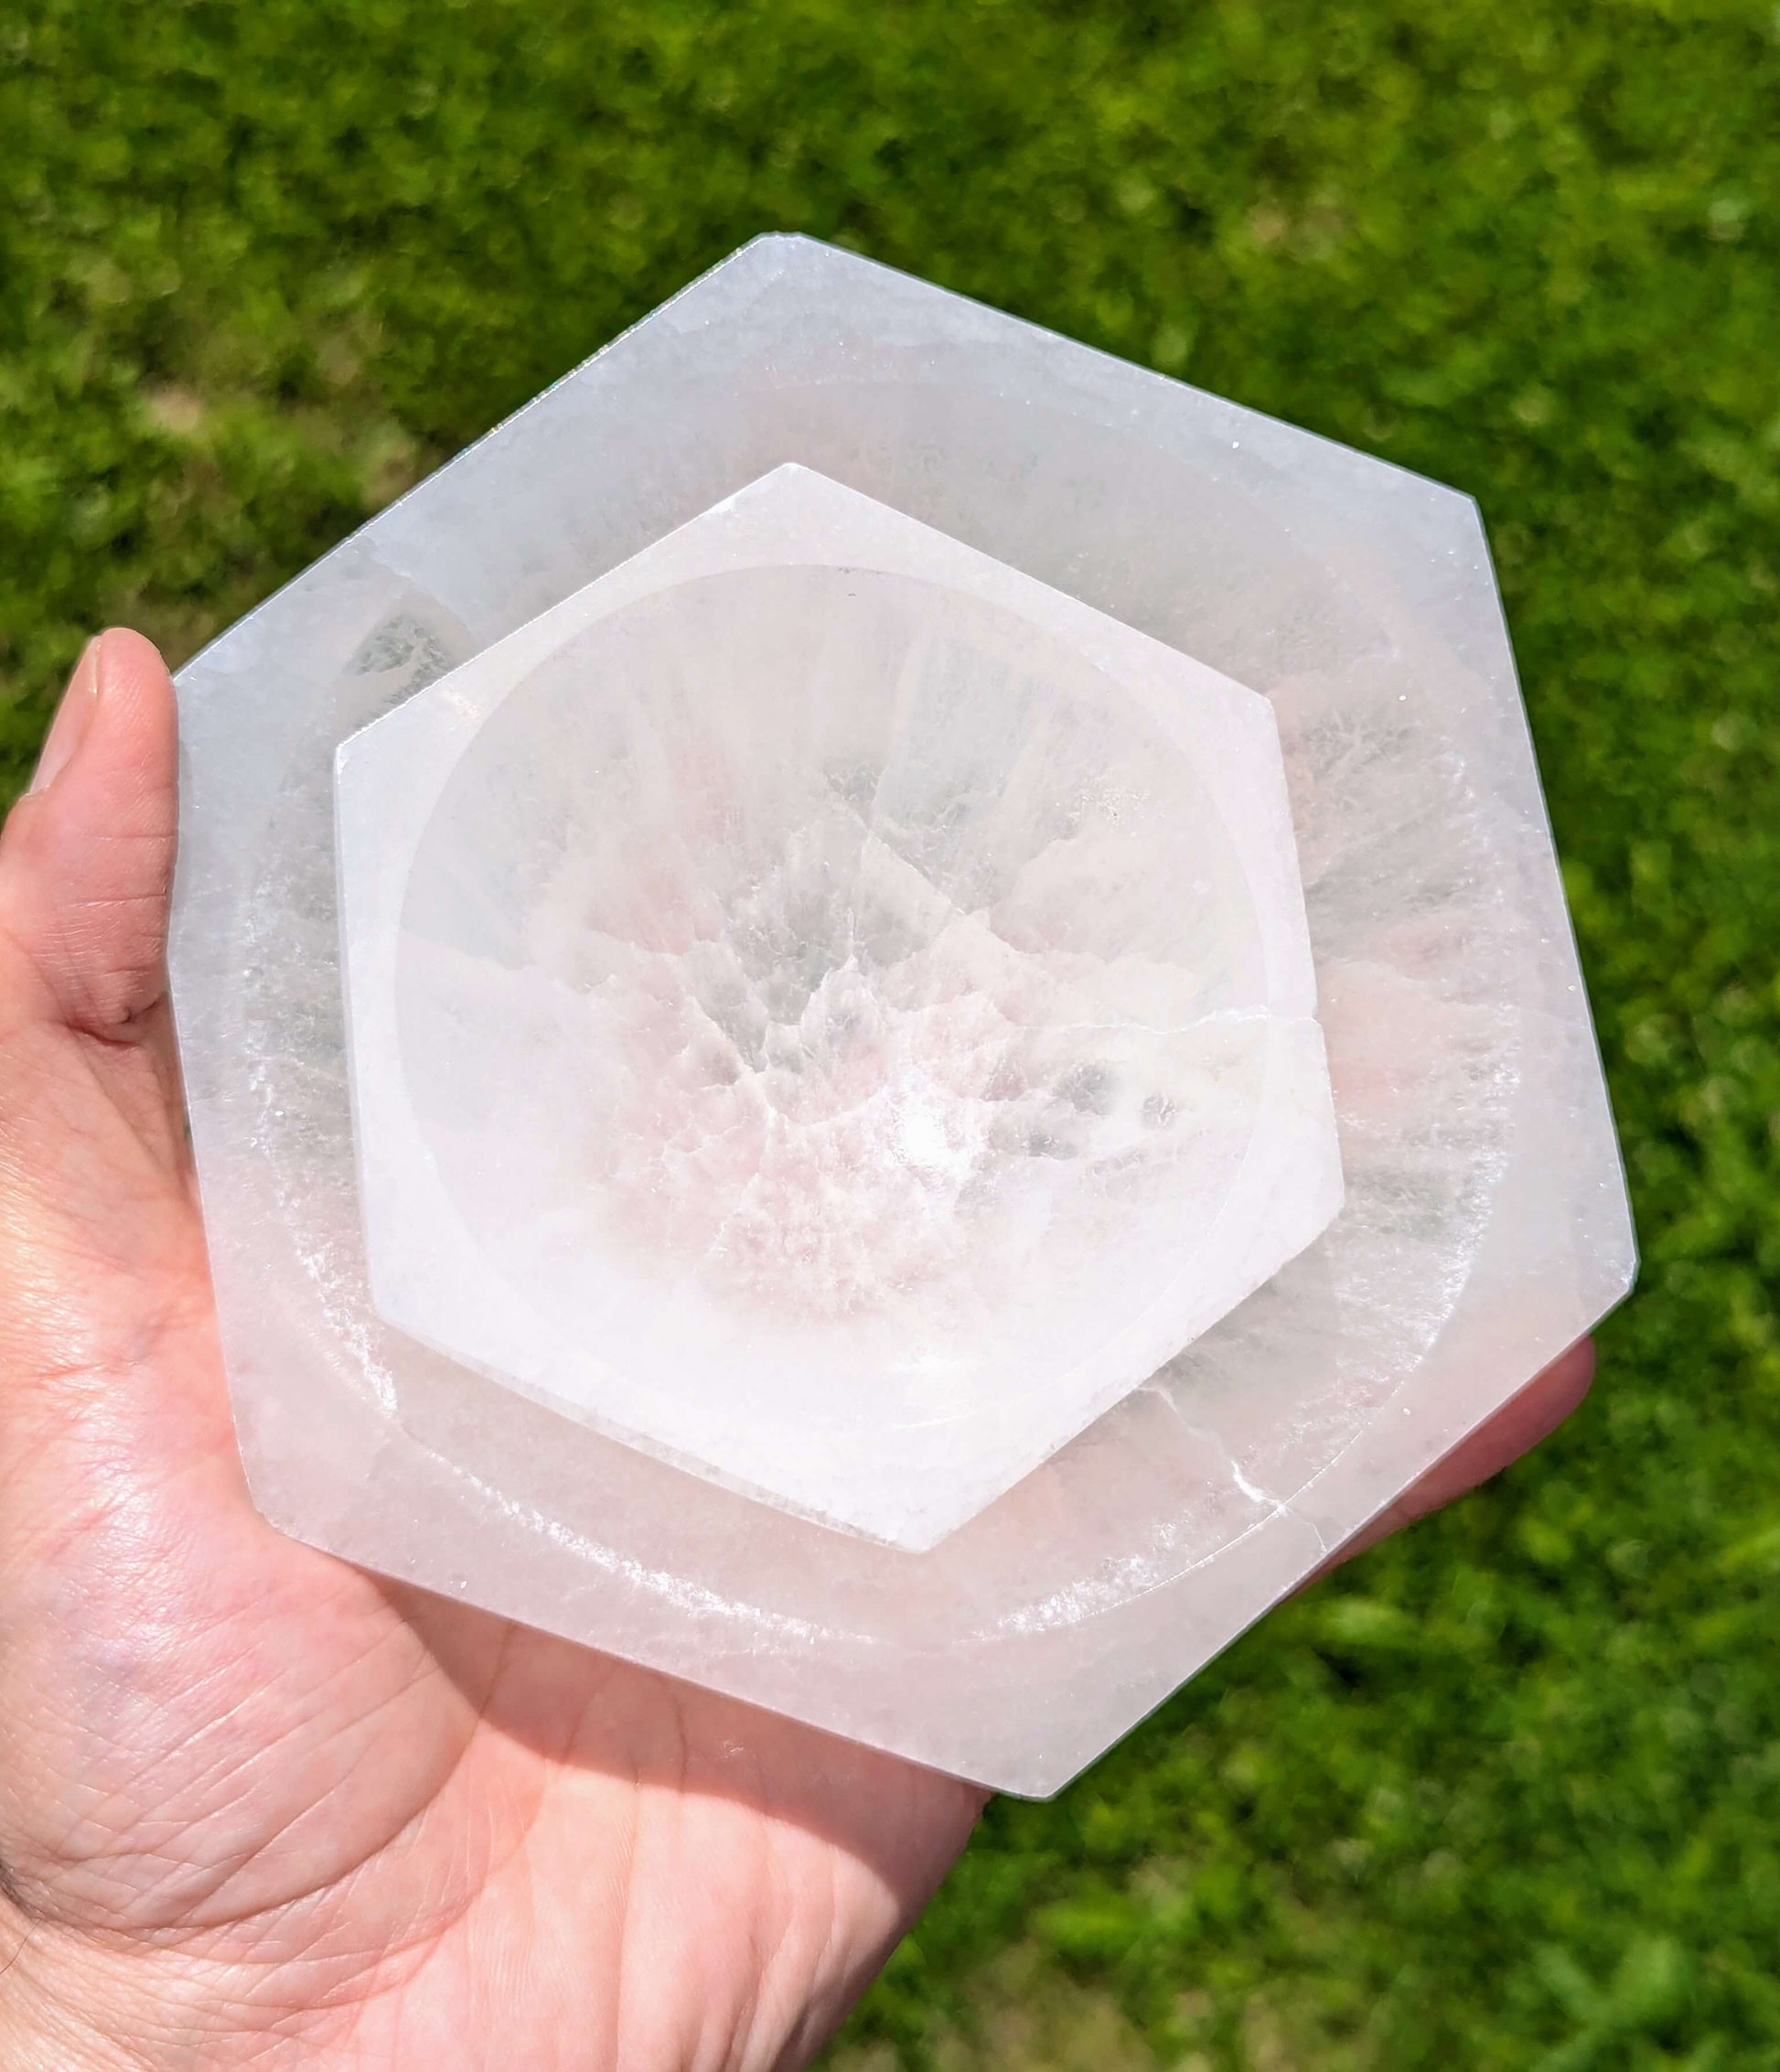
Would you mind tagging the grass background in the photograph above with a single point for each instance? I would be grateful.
(1506, 1793)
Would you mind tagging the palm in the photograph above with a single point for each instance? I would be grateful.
(258, 1807)
(251, 1795)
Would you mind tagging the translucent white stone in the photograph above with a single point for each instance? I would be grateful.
(830, 1008)
(1484, 1225)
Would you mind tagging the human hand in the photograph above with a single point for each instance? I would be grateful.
(257, 1806)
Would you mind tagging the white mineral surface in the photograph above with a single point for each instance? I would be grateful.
(1482, 1226)
(828, 1008)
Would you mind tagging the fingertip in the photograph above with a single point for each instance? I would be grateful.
(1524, 1422)
(134, 698)
(1568, 1380)
(112, 775)
(121, 674)
(1548, 1400)
(130, 658)
(87, 858)
(1529, 1417)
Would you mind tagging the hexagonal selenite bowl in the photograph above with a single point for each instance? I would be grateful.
(964, 1049)
(828, 1008)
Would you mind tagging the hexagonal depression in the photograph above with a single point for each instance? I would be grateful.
(829, 1009)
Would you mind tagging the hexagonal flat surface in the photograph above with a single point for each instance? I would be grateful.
(828, 1008)
(1485, 1223)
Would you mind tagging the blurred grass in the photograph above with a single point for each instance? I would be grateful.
(1508, 1793)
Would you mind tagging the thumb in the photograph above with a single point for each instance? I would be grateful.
(86, 861)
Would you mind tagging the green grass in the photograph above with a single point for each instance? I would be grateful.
(1508, 1793)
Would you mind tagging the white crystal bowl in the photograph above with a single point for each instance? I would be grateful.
(1484, 1224)
(830, 1009)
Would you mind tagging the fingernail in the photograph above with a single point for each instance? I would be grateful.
(67, 729)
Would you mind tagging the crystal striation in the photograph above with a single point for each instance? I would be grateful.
(1483, 1224)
